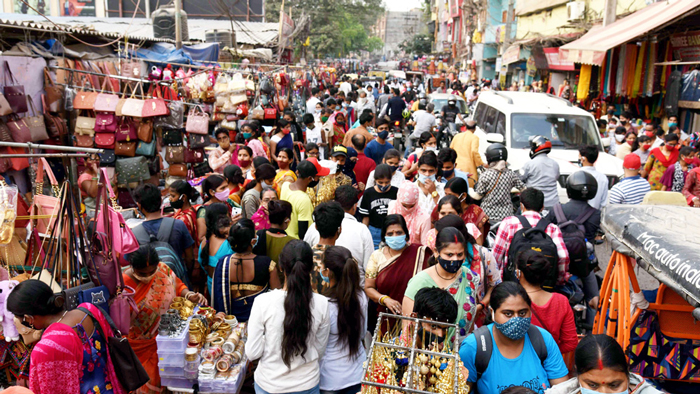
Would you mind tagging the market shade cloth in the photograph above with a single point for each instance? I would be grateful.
(665, 237)
(591, 48)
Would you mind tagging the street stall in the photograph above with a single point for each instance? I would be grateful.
(658, 329)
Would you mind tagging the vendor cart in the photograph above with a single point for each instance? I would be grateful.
(661, 338)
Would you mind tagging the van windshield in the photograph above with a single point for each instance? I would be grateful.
(565, 131)
(439, 103)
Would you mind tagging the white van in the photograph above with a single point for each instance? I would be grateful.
(511, 118)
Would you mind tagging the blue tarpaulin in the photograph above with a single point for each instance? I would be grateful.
(204, 52)
(163, 53)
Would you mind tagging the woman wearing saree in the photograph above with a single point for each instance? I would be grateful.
(285, 158)
(338, 129)
(261, 218)
(390, 268)
(181, 196)
(242, 276)
(660, 159)
(155, 287)
(406, 205)
(471, 213)
(215, 245)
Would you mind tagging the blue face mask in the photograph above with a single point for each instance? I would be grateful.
(450, 266)
(247, 135)
(397, 242)
(394, 168)
(337, 107)
(384, 188)
(422, 178)
(589, 391)
(383, 134)
(448, 173)
(671, 124)
(324, 278)
(515, 328)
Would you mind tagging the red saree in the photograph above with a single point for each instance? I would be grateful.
(393, 276)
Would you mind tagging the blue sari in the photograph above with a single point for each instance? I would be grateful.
(212, 261)
(227, 297)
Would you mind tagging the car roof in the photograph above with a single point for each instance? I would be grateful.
(443, 96)
(529, 102)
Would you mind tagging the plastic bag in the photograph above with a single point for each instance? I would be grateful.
(8, 212)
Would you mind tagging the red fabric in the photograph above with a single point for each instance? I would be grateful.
(558, 321)
(363, 167)
(665, 161)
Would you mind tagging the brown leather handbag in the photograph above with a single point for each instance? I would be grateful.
(145, 130)
(177, 170)
(175, 154)
(55, 125)
(124, 148)
(84, 99)
(84, 141)
(54, 94)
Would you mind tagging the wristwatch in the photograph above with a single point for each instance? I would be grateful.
(434, 193)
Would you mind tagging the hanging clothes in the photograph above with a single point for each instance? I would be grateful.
(619, 78)
(584, 82)
(638, 69)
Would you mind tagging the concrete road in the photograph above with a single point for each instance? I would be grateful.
(603, 252)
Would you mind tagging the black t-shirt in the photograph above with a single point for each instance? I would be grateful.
(376, 205)
(396, 107)
(450, 113)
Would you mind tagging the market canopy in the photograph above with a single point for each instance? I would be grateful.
(591, 48)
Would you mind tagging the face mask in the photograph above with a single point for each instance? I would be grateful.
(285, 131)
(646, 146)
(383, 134)
(337, 107)
(431, 149)
(345, 105)
(671, 148)
(339, 169)
(27, 324)
(222, 195)
(448, 173)
(394, 168)
(630, 142)
(429, 336)
(177, 204)
(619, 137)
(247, 135)
(450, 266)
(324, 119)
(317, 111)
(589, 391)
(244, 163)
(324, 278)
(671, 124)
(423, 178)
(397, 242)
(515, 328)
(265, 184)
(623, 122)
(384, 188)
(144, 279)
(649, 134)
(256, 242)
(313, 184)
(340, 123)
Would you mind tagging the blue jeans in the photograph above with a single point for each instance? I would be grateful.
(313, 390)
(376, 235)
(354, 389)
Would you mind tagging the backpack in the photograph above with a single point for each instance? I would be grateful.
(484, 347)
(574, 236)
(534, 238)
(166, 253)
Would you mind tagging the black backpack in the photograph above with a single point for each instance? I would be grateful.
(166, 253)
(534, 238)
(484, 347)
(574, 235)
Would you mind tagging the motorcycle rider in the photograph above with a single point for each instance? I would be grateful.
(450, 113)
(421, 121)
(541, 172)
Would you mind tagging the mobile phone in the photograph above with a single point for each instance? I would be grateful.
(235, 211)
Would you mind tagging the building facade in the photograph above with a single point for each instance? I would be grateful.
(394, 27)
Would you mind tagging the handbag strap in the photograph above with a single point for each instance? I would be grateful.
(42, 167)
(31, 105)
(133, 91)
(115, 331)
(47, 78)
(43, 104)
(126, 86)
(8, 71)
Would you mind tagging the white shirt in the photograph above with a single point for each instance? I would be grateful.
(338, 370)
(311, 105)
(265, 330)
(354, 236)
(601, 196)
(345, 87)
(425, 121)
(314, 135)
(396, 179)
(426, 201)
(657, 143)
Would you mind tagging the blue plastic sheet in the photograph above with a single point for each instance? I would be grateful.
(204, 52)
(162, 53)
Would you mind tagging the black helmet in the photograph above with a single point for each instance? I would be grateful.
(496, 152)
(539, 144)
(581, 185)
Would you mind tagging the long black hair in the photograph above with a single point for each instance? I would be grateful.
(346, 293)
(459, 186)
(184, 187)
(145, 256)
(452, 201)
(533, 265)
(234, 174)
(600, 350)
(297, 262)
(216, 218)
(507, 289)
(34, 297)
(241, 234)
(263, 172)
(211, 183)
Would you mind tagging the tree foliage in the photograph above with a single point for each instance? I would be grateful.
(420, 44)
(338, 27)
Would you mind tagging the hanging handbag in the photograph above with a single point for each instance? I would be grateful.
(176, 109)
(37, 126)
(175, 154)
(105, 140)
(14, 92)
(270, 113)
(133, 106)
(107, 158)
(202, 168)
(132, 170)
(145, 130)
(125, 199)
(146, 148)
(105, 122)
(122, 100)
(54, 94)
(5, 134)
(19, 128)
(85, 125)
(84, 141)
(155, 106)
(257, 113)
(84, 99)
(179, 170)
(106, 102)
(42, 205)
(127, 366)
(153, 164)
(197, 121)
(124, 148)
(194, 155)
(110, 221)
(197, 141)
(55, 125)
(69, 94)
(5, 108)
(126, 131)
(172, 136)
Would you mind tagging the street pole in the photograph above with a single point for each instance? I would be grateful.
(610, 13)
(509, 19)
(178, 26)
(148, 9)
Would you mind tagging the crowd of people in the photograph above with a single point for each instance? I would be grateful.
(309, 230)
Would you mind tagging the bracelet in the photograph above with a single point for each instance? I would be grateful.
(188, 294)
(381, 300)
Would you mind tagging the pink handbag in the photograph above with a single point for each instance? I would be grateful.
(123, 240)
(126, 131)
(155, 106)
(106, 102)
(44, 205)
(133, 106)
(197, 122)
(105, 123)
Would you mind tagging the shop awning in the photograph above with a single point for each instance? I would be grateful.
(591, 48)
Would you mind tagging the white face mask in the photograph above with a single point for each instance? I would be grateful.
(620, 137)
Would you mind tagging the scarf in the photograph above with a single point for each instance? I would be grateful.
(678, 178)
(661, 158)
(409, 194)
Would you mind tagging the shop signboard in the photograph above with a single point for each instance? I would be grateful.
(512, 54)
(38, 7)
(686, 46)
(531, 67)
(77, 8)
(555, 61)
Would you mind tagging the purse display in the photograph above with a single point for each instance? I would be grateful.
(55, 125)
(85, 125)
(179, 170)
(202, 168)
(270, 113)
(19, 128)
(105, 140)
(133, 106)
(5, 108)
(42, 205)
(172, 136)
(5, 134)
(194, 155)
(197, 121)
(106, 102)
(145, 130)
(257, 113)
(155, 106)
(37, 126)
(14, 92)
(107, 158)
(124, 148)
(146, 148)
(105, 122)
(132, 170)
(175, 154)
(84, 141)
(54, 94)
(84, 99)
(197, 141)
(126, 131)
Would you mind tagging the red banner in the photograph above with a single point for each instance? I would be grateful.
(555, 61)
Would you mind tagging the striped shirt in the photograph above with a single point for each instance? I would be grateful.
(629, 191)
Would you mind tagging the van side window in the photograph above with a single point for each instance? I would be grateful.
(501, 124)
(479, 114)
(489, 124)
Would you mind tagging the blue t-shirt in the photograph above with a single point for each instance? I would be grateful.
(375, 151)
(525, 370)
(180, 238)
